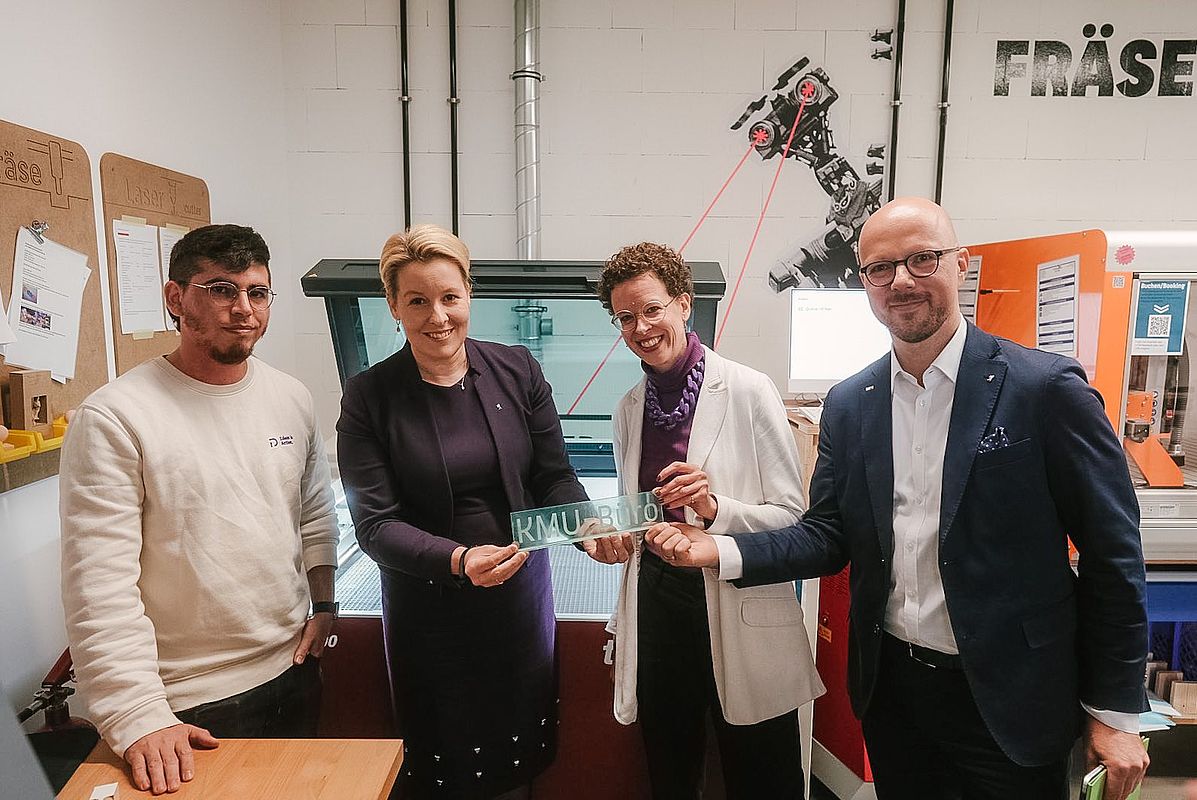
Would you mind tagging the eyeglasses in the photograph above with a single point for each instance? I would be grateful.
(920, 265)
(652, 313)
(224, 294)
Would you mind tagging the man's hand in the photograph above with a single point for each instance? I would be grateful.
(1122, 754)
(315, 633)
(682, 545)
(688, 486)
(488, 565)
(163, 760)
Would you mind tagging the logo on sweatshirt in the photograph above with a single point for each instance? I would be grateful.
(281, 441)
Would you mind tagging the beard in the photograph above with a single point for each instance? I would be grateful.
(919, 329)
(229, 355)
(233, 354)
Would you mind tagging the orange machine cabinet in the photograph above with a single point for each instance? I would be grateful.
(1126, 303)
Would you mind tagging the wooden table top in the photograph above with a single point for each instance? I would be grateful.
(263, 769)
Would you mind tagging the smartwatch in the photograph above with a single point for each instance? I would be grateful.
(327, 607)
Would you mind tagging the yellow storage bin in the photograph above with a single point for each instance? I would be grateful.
(25, 443)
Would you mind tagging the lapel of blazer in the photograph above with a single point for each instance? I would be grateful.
(709, 413)
(978, 384)
(877, 440)
(502, 419)
(415, 416)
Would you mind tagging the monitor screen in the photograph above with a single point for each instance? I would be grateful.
(833, 334)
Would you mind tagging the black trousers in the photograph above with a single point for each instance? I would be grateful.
(675, 690)
(927, 740)
(287, 707)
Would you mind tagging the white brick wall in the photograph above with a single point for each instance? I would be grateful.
(1022, 165)
(636, 106)
(289, 109)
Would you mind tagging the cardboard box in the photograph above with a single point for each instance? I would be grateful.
(29, 400)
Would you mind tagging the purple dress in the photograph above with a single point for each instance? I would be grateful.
(427, 469)
(475, 674)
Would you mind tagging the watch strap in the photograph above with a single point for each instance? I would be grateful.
(326, 607)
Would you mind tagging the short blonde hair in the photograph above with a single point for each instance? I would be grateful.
(421, 243)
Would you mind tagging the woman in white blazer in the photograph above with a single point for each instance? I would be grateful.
(710, 438)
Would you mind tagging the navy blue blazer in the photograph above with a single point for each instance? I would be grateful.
(1035, 637)
(385, 415)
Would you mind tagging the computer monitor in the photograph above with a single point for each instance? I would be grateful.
(833, 334)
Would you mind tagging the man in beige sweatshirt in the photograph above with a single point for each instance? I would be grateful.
(198, 528)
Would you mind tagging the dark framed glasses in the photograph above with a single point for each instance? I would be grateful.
(224, 294)
(922, 264)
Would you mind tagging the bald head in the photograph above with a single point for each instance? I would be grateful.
(902, 218)
(917, 267)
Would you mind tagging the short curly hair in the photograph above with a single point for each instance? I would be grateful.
(637, 259)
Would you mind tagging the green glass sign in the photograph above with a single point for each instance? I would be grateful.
(535, 528)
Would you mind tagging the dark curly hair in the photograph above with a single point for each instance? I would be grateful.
(233, 248)
(637, 259)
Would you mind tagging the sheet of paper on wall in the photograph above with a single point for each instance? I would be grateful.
(7, 334)
(1057, 288)
(168, 235)
(968, 290)
(138, 277)
(47, 298)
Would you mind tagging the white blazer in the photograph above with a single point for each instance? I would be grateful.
(759, 647)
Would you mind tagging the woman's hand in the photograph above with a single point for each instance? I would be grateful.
(687, 487)
(487, 565)
(614, 549)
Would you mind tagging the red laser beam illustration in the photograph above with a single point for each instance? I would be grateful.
(718, 194)
(701, 220)
(807, 90)
(597, 370)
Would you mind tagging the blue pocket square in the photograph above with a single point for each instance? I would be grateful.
(994, 440)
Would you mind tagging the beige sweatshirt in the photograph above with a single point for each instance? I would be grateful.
(190, 515)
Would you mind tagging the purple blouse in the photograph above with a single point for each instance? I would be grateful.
(660, 447)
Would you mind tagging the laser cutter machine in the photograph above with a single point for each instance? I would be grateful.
(1122, 303)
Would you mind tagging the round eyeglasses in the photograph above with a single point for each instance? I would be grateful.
(922, 264)
(652, 313)
(224, 294)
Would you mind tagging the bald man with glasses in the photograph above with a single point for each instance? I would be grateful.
(951, 475)
(198, 530)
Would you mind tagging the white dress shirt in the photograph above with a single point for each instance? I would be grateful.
(916, 610)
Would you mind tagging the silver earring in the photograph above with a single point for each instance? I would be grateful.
(398, 327)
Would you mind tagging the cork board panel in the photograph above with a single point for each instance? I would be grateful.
(48, 178)
(160, 196)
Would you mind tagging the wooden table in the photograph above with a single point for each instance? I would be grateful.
(263, 769)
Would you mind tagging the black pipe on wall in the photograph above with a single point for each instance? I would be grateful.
(405, 101)
(453, 103)
(945, 77)
(896, 101)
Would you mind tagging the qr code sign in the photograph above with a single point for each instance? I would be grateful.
(1159, 325)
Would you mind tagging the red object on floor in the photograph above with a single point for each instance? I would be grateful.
(836, 727)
